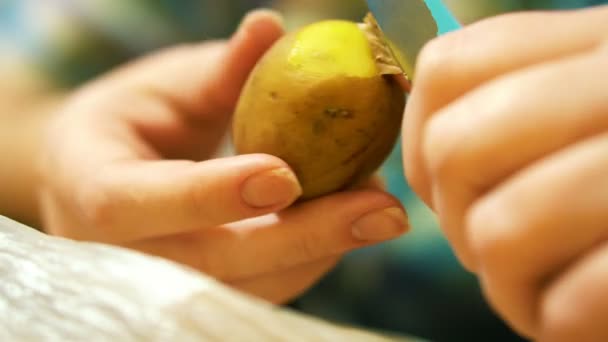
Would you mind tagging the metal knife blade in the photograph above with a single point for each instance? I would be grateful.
(407, 26)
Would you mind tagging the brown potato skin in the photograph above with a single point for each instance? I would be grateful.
(332, 132)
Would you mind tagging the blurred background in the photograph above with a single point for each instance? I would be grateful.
(412, 286)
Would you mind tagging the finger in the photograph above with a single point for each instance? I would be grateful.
(468, 152)
(141, 199)
(303, 234)
(538, 222)
(454, 64)
(180, 101)
(207, 82)
(575, 305)
(284, 286)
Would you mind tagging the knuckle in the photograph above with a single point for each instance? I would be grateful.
(96, 203)
(452, 145)
(491, 228)
(309, 246)
(442, 63)
(415, 177)
(194, 201)
(442, 155)
(434, 62)
(570, 306)
(449, 59)
(561, 317)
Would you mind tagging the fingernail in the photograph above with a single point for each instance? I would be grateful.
(271, 188)
(381, 225)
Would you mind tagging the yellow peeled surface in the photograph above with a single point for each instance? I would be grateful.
(333, 47)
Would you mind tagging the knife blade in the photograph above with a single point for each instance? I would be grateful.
(409, 24)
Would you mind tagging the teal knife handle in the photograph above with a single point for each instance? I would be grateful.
(446, 21)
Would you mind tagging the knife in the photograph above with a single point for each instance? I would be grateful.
(409, 24)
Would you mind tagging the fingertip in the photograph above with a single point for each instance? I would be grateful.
(348, 205)
(273, 188)
(372, 216)
(264, 183)
(258, 30)
(263, 21)
(382, 224)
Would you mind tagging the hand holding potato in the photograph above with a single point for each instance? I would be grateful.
(129, 161)
(506, 138)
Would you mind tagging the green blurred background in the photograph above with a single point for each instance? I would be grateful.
(413, 285)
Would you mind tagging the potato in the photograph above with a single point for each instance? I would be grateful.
(320, 100)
